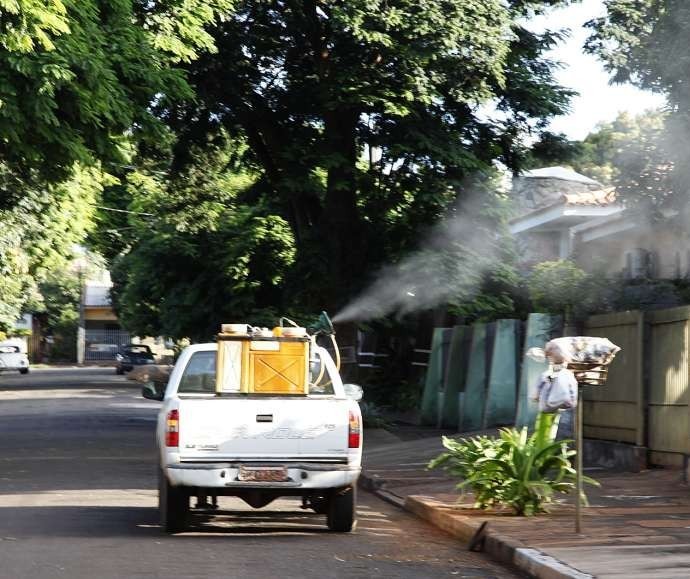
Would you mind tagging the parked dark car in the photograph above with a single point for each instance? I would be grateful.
(133, 355)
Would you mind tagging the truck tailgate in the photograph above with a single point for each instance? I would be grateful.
(269, 429)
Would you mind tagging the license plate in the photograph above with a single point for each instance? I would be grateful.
(263, 474)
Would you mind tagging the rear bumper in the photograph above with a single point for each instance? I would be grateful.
(225, 475)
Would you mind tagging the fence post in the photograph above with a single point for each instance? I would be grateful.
(432, 382)
(456, 371)
(501, 391)
(472, 408)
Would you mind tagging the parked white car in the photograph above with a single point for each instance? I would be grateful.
(256, 447)
(13, 359)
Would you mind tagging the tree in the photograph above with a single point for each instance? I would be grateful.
(77, 75)
(198, 253)
(611, 153)
(59, 312)
(645, 42)
(16, 284)
(77, 81)
(38, 236)
(362, 117)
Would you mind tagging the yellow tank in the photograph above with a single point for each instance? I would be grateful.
(262, 365)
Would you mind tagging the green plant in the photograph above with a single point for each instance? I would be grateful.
(556, 286)
(514, 470)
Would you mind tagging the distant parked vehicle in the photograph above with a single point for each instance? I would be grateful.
(133, 355)
(12, 358)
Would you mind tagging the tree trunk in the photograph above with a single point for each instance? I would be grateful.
(343, 227)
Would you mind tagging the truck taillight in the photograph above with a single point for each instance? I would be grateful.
(354, 437)
(172, 428)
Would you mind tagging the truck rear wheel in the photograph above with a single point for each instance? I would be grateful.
(342, 510)
(173, 505)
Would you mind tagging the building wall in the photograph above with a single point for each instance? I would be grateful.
(100, 313)
(664, 252)
(540, 246)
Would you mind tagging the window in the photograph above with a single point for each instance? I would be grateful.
(200, 374)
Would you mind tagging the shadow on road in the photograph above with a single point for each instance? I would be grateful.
(231, 522)
(76, 521)
(67, 377)
(17, 523)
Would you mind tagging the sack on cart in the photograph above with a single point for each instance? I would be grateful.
(557, 391)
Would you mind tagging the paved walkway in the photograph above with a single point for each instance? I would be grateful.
(637, 525)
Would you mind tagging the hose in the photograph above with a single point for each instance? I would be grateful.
(337, 352)
(321, 364)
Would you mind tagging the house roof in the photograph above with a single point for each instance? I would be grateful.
(561, 173)
(598, 198)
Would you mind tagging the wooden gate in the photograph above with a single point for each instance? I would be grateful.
(669, 419)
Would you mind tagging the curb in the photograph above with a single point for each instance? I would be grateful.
(477, 534)
(375, 486)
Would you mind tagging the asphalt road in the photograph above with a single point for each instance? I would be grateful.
(78, 500)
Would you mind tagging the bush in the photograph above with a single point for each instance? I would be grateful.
(514, 470)
(557, 286)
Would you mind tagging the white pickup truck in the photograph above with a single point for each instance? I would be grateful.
(256, 447)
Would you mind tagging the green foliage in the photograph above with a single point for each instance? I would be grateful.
(77, 75)
(186, 284)
(500, 291)
(610, 154)
(557, 286)
(627, 152)
(553, 149)
(271, 154)
(645, 42)
(38, 236)
(16, 284)
(197, 254)
(362, 118)
(60, 312)
(29, 24)
(515, 470)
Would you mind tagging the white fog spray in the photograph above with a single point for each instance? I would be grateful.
(449, 265)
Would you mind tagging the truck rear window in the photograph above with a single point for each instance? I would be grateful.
(199, 374)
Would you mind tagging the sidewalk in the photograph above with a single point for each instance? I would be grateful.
(637, 525)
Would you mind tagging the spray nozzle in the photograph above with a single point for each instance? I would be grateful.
(323, 326)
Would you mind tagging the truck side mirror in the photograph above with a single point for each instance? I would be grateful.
(353, 391)
(153, 390)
